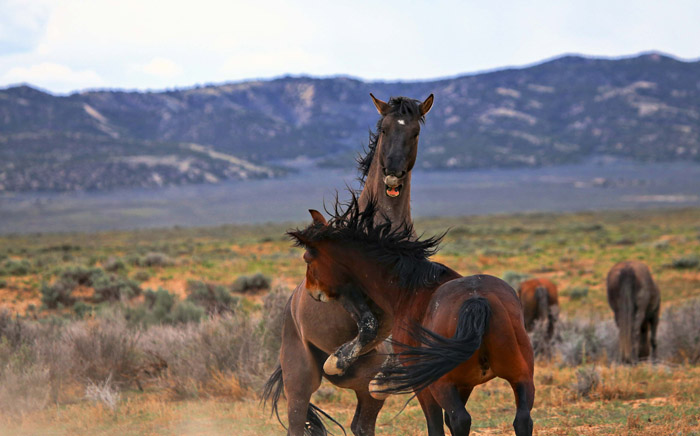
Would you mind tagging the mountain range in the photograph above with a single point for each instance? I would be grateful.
(564, 110)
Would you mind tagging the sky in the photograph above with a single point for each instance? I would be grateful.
(69, 45)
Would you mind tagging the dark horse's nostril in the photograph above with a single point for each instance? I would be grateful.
(401, 174)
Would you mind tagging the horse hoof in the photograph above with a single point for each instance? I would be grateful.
(331, 366)
(374, 391)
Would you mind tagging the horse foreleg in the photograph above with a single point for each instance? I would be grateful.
(524, 398)
(354, 303)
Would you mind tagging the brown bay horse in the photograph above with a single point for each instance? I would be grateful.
(540, 301)
(344, 333)
(453, 332)
(635, 300)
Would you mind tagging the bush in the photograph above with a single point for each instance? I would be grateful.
(114, 265)
(679, 333)
(82, 309)
(215, 299)
(185, 312)
(81, 275)
(686, 262)
(15, 267)
(514, 278)
(576, 293)
(156, 259)
(141, 276)
(114, 288)
(587, 379)
(256, 282)
(58, 294)
(581, 341)
(3, 283)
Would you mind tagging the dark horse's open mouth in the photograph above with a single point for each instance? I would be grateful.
(393, 191)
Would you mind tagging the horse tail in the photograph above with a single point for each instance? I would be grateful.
(628, 285)
(437, 355)
(272, 392)
(542, 300)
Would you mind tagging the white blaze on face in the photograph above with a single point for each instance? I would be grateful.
(402, 122)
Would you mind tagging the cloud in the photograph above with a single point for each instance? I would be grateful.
(160, 67)
(52, 76)
(22, 24)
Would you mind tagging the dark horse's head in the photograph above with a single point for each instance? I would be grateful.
(395, 142)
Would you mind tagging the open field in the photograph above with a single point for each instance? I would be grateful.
(574, 250)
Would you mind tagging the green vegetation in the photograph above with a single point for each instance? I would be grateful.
(92, 319)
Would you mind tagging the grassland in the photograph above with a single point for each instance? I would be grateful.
(574, 250)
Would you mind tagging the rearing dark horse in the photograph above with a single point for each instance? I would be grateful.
(344, 333)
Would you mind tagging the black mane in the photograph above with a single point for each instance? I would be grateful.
(399, 106)
(394, 248)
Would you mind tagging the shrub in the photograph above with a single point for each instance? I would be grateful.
(114, 264)
(587, 379)
(156, 259)
(58, 294)
(114, 288)
(81, 275)
(679, 333)
(186, 311)
(580, 341)
(81, 309)
(15, 267)
(514, 278)
(576, 293)
(216, 299)
(3, 283)
(686, 262)
(141, 276)
(256, 282)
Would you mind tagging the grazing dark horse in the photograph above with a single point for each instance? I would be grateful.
(635, 299)
(345, 333)
(540, 301)
(453, 332)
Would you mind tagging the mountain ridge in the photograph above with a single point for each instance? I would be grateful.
(561, 110)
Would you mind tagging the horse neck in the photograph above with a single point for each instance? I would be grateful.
(397, 210)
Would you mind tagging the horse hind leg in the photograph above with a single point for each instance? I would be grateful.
(366, 413)
(524, 399)
(457, 418)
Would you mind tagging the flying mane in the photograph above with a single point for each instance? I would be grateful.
(394, 248)
(399, 106)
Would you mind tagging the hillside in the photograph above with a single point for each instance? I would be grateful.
(560, 111)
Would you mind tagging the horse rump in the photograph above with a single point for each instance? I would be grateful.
(437, 355)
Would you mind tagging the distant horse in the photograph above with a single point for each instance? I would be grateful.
(635, 299)
(453, 332)
(540, 301)
(345, 333)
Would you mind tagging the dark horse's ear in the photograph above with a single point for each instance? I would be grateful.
(317, 217)
(426, 105)
(382, 107)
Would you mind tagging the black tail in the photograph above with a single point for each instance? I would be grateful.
(272, 392)
(439, 355)
(542, 299)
